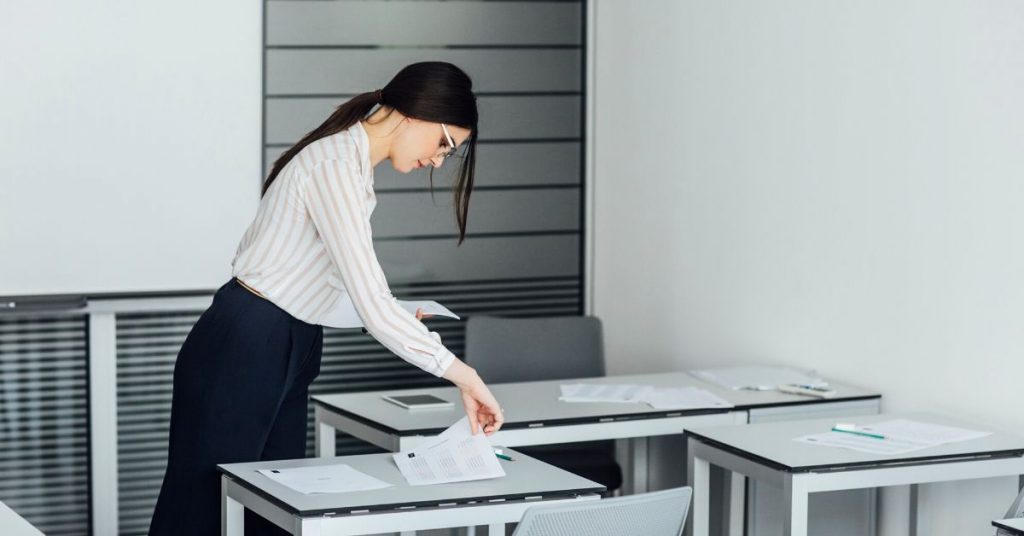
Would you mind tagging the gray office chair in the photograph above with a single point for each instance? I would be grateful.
(506, 350)
(661, 513)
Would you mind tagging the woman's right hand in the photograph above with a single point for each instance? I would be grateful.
(482, 408)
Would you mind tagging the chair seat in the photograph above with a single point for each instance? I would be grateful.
(594, 460)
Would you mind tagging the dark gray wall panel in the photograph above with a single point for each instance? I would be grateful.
(515, 211)
(423, 23)
(511, 117)
(330, 71)
(498, 164)
(492, 258)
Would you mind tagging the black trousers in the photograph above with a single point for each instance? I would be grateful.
(241, 389)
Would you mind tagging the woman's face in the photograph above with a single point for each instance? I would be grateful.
(421, 144)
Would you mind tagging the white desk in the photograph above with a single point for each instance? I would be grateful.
(767, 453)
(14, 525)
(492, 502)
(1014, 526)
(534, 416)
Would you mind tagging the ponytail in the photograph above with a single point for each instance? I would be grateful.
(344, 116)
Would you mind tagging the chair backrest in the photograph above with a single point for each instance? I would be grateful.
(661, 513)
(527, 349)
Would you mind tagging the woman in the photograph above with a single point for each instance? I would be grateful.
(241, 380)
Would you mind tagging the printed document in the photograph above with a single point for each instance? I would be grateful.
(344, 315)
(337, 478)
(900, 437)
(456, 455)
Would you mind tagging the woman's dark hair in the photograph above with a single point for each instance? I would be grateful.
(432, 91)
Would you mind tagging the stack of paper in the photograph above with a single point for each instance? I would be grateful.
(664, 398)
(337, 478)
(758, 378)
(456, 455)
(900, 437)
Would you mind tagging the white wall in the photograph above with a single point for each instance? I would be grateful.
(825, 184)
(130, 143)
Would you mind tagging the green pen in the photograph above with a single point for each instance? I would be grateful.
(504, 457)
(851, 429)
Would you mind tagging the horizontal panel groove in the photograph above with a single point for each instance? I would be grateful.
(382, 193)
(478, 235)
(539, 46)
(347, 96)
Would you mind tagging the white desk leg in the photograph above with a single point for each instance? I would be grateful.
(698, 475)
(638, 448)
(496, 529)
(470, 531)
(735, 503)
(325, 436)
(794, 500)
(918, 522)
(232, 514)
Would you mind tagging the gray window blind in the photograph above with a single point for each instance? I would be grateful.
(44, 435)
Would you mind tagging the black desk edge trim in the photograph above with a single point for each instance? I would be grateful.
(857, 466)
(394, 507)
(998, 523)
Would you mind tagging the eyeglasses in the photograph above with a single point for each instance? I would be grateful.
(451, 143)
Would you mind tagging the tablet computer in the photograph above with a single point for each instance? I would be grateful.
(418, 401)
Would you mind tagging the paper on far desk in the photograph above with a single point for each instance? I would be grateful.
(344, 315)
(603, 392)
(757, 377)
(684, 398)
(663, 398)
(901, 436)
(337, 478)
(456, 455)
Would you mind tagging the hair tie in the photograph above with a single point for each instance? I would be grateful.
(380, 96)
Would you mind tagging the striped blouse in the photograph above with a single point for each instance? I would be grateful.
(310, 245)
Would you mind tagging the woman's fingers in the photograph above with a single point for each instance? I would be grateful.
(420, 315)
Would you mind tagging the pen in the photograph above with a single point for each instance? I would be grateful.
(504, 457)
(856, 432)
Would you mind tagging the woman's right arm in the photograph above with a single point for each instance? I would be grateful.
(337, 209)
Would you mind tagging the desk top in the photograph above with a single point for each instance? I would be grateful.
(14, 525)
(772, 444)
(1014, 526)
(524, 477)
(533, 403)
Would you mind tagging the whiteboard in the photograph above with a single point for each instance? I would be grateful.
(129, 143)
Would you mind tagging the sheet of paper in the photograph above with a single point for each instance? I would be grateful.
(757, 377)
(337, 478)
(684, 398)
(456, 455)
(901, 437)
(344, 315)
(603, 392)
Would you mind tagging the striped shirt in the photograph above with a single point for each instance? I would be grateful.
(310, 245)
